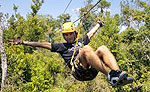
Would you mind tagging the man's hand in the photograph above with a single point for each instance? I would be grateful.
(101, 22)
(16, 42)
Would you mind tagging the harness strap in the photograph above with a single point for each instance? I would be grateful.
(71, 62)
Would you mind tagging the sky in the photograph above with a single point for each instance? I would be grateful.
(52, 7)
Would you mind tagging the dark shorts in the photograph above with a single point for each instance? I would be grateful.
(84, 74)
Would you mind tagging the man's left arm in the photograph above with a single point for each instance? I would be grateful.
(91, 33)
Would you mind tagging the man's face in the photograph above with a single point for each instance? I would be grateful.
(70, 37)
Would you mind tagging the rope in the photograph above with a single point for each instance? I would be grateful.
(71, 62)
(67, 6)
(87, 11)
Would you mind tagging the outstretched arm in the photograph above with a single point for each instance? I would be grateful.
(91, 33)
(33, 44)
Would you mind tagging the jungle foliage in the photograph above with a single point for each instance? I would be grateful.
(33, 69)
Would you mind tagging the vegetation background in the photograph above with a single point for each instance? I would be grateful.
(33, 69)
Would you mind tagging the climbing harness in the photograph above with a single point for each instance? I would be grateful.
(71, 62)
(77, 70)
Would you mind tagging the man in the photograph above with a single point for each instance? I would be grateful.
(85, 63)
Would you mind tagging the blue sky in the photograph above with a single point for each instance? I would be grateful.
(52, 7)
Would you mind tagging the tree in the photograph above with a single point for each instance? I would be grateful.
(3, 56)
(36, 6)
(15, 8)
(37, 69)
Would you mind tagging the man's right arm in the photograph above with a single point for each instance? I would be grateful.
(33, 44)
(38, 44)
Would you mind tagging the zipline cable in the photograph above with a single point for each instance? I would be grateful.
(87, 11)
(67, 6)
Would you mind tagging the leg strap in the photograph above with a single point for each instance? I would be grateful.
(83, 74)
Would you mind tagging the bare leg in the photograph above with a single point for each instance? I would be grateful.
(88, 56)
(108, 57)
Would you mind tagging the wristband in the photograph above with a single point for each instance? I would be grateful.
(101, 23)
(25, 42)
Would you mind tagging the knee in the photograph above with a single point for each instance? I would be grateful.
(87, 48)
(102, 49)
